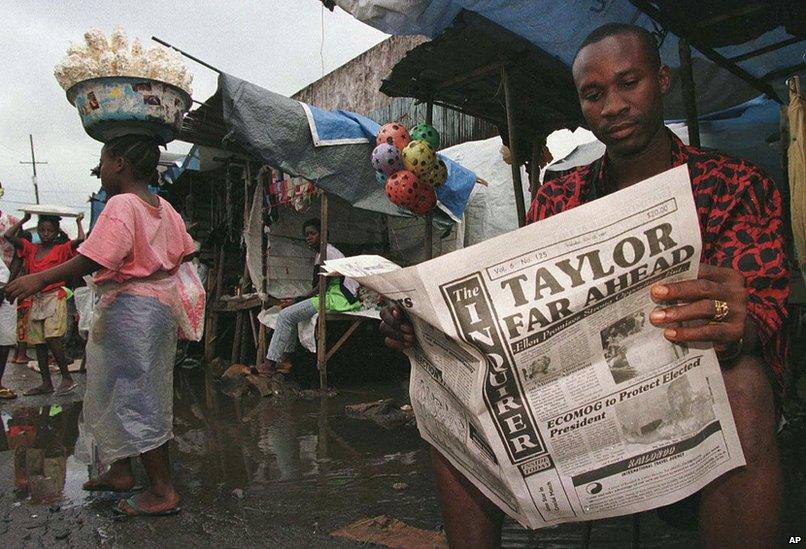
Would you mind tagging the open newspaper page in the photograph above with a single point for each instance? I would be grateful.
(538, 374)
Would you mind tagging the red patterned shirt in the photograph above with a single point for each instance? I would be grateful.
(741, 219)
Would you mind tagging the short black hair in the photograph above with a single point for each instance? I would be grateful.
(313, 222)
(142, 152)
(55, 219)
(646, 38)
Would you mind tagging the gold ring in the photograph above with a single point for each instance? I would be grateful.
(721, 310)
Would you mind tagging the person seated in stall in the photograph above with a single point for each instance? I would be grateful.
(47, 317)
(341, 296)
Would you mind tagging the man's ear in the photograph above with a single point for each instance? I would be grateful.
(664, 79)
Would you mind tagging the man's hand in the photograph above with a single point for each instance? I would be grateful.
(25, 286)
(25, 218)
(697, 300)
(79, 218)
(398, 331)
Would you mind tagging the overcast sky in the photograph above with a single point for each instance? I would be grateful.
(273, 43)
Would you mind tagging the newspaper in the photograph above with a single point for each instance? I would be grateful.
(538, 375)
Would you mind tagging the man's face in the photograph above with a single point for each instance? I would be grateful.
(620, 93)
(312, 237)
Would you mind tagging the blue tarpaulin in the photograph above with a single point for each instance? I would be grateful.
(348, 128)
(280, 131)
(558, 29)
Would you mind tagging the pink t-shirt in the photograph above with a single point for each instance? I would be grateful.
(133, 239)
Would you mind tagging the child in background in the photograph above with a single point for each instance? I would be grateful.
(8, 330)
(23, 307)
(47, 317)
(9, 262)
(135, 250)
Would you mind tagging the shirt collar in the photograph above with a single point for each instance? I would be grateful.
(601, 185)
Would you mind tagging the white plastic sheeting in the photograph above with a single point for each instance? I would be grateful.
(491, 209)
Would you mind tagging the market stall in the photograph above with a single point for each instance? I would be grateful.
(328, 150)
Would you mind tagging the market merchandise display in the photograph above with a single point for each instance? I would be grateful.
(121, 89)
(407, 191)
(394, 134)
(100, 56)
(386, 159)
(424, 132)
(405, 162)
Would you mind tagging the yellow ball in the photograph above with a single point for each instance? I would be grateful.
(419, 158)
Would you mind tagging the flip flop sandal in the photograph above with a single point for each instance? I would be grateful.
(138, 512)
(7, 394)
(68, 390)
(104, 487)
(37, 391)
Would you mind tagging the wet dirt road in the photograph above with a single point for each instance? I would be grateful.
(281, 471)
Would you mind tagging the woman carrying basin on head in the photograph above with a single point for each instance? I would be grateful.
(135, 250)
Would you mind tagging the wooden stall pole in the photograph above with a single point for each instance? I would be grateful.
(429, 218)
(534, 167)
(211, 326)
(321, 340)
(513, 149)
(264, 267)
(689, 93)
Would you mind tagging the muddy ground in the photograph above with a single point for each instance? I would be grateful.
(281, 471)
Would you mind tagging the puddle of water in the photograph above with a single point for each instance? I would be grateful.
(40, 441)
(287, 461)
(294, 450)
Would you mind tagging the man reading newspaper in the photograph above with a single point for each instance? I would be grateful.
(737, 301)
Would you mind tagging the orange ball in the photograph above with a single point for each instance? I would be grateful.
(394, 134)
(405, 190)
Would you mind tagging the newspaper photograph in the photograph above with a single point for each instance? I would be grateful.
(538, 374)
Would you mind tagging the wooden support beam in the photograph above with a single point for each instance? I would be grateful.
(513, 149)
(211, 326)
(240, 303)
(679, 29)
(343, 339)
(235, 354)
(475, 74)
(321, 340)
(429, 218)
(785, 71)
(689, 93)
(262, 345)
(766, 49)
(534, 168)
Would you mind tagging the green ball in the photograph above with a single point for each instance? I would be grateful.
(426, 133)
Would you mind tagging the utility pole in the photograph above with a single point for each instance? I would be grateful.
(33, 164)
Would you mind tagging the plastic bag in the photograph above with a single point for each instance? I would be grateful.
(193, 297)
